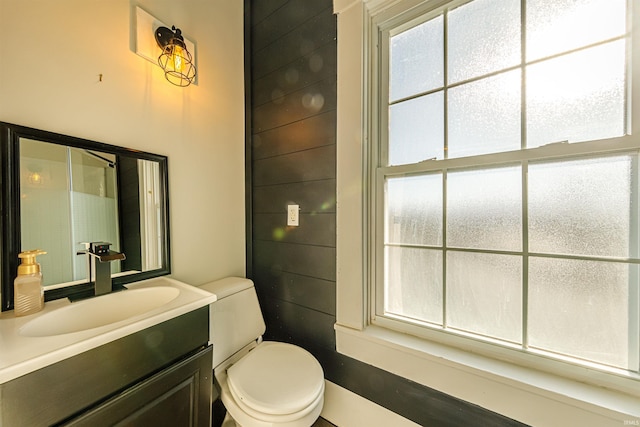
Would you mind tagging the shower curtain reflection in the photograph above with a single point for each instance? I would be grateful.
(68, 196)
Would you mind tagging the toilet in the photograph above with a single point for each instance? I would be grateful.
(262, 383)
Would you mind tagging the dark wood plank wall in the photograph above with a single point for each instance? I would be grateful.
(293, 109)
(292, 148)
(129, 207)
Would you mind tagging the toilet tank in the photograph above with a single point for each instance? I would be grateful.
(235, 318)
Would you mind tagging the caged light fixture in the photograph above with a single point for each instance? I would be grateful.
(175, 59)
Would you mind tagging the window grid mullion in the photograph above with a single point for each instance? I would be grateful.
(634, 279)
(525, 255)
(631, 125)
(445, 88)
(444, 248)
(445, 154)
(524, 177)
(523, 75)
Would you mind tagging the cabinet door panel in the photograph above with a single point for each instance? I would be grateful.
(178, 396)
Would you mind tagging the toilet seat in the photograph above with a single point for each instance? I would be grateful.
(276, 382)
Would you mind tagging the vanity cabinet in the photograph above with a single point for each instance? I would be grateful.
(161, 375)
(173, 397)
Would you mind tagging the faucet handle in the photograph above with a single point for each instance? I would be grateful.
(100, 248)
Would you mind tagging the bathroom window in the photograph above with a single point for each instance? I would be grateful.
(505, 186)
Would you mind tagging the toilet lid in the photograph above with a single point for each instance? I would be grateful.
(276, 378)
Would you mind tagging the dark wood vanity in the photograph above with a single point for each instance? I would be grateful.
(161, 375)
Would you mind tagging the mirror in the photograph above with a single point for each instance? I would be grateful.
(59, 192)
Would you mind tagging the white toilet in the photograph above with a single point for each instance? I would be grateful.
(263, 383)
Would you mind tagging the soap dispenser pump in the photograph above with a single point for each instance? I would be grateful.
(28, 292)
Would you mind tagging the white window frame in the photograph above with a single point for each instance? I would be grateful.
(537, 393)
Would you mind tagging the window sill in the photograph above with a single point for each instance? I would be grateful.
(524, 394)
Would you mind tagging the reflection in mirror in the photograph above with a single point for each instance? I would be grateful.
(60, 192)
(67, 196)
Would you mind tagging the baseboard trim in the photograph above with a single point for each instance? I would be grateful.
(347, 409)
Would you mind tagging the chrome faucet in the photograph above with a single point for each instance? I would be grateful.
(99, 268)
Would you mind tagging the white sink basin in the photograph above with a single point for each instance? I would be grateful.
(99, 311)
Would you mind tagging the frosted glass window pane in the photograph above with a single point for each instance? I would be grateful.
(416, 129)
(484, 116)
(483, 37)
(417, 60)
(484, 294)
(581, 308)
(484, 209)
(413, 286)
(556, 26)
(581, 207)
(414, 210)
(577, 97)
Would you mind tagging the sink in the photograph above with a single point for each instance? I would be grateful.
(99, 311)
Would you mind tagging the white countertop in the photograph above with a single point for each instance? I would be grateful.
(20, 355)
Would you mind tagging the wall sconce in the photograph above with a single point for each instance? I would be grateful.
(34, 174)
(35, 178)
(170, 49)
(175, 59)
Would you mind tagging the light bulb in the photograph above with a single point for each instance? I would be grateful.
(35, 178)
(178, 58)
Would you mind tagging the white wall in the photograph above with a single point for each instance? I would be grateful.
(51, 56)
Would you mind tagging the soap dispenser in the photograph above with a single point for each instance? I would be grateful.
(28, 292)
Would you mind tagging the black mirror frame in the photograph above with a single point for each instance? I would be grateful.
(10, 135)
